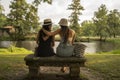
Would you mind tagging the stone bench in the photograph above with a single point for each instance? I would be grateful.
(74, 64)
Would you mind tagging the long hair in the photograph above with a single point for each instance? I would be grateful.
(65, 33)
(46, 27)
(42, 34)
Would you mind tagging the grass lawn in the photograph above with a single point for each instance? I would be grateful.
(12, 65)
(108, 65)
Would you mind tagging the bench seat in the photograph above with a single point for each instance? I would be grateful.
(74, 64)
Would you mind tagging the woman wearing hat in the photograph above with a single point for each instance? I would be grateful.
(65, 48)
(45, 42)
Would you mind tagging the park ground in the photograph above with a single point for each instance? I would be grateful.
(103, 66)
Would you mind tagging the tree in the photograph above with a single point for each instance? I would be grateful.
(74, 17)
(2, 16)
(23, 17)
(37, 2)
(32, 18)
(100, 20)
(88, 29)
(114, 22)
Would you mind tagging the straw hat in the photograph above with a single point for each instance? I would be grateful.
(63, 22)
(47, 22)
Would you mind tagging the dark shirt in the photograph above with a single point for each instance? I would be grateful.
(45, 48)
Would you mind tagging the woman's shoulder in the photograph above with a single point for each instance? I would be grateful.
(72, 31)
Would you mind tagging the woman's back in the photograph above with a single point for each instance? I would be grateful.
(45, 42)
(65, 48)
(45, 48)
(71, 36)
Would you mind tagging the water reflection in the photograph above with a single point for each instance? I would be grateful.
(30, 45)
(92, 47)
(5, 44)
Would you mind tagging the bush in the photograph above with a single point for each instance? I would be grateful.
(14, 50)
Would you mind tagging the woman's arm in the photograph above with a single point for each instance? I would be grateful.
(51, 33)
(45, 38)
(53, 41)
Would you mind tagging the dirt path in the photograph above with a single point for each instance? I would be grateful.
(90, 74)
(50, 71)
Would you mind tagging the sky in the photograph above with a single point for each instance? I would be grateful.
(58, 9)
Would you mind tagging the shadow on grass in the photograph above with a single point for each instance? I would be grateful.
(53, 76)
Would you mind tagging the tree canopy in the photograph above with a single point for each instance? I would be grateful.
(100, 20)
(2, 16)
(23, 18)
(37, 2)
(76, 8)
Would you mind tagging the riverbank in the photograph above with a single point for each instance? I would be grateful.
(92, 47)
(12, 66)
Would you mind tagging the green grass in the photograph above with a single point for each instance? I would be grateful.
(117, 51)
(12, 65)
(114, 40)
(14, 50)
(108, 65)
(114, 52)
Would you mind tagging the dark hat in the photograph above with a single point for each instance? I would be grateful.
(47, 22)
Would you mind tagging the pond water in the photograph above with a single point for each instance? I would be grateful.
(92, 47)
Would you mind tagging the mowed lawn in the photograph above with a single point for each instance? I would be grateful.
(108, 65)
(12, 65)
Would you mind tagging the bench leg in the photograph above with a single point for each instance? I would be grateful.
(75, 72)
(34, 72)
